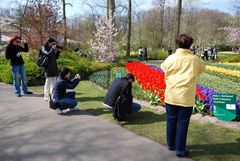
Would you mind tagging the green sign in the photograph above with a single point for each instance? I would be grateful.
(118, 75)
(225, 106)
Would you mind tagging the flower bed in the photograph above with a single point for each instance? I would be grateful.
(230, 66)
(224, 71)
(151, 78)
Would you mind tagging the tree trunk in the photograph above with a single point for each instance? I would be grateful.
(64, 23)
(162, 8)
(111, 7)
(179, 17)
(108, 9)
(129, 29)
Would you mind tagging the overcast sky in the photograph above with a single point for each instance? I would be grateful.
(81, 7)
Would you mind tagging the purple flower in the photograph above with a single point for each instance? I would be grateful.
(208, 92)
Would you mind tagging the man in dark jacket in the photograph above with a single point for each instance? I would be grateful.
(115, 90)
(14, 53)
(62, 99)
(51, 70)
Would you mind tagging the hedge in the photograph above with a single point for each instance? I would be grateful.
(35, 74)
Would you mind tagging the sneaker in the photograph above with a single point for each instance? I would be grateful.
(59, 112)
(76, 108)
(28, 92)
(46, 99)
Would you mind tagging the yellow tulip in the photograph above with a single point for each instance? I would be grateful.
(223, 71)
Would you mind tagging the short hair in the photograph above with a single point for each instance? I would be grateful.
(184, 41)
(50, 40)
(64, 72)
(130, 76)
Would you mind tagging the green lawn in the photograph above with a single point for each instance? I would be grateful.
(207, 142)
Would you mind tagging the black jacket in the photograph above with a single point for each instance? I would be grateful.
(60, 87)
(115, 90)
(13, 50)
(51, 69)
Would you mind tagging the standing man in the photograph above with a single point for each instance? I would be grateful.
(140, 54)
(181, 72)
(51, 69)
(14, 51)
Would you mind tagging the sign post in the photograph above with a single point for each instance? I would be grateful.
(225, 106)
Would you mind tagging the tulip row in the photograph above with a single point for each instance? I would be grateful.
(223, 71)
(150, 79)
(235, 64)
(225, 66)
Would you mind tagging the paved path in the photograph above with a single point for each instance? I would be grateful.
(30, 131)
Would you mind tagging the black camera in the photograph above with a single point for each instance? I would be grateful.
(59, 47)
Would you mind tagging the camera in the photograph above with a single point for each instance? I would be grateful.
(59, 47)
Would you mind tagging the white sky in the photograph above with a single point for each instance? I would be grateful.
(81, 7)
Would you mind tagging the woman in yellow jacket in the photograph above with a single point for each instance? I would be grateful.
(181, 72)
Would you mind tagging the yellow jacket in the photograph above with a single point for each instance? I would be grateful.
(181, 72)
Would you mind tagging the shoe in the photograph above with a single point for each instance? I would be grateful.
(19, 95)
(76, 108)
(46, 99)
(186, 154)
(170, 148)
(59, 112)
(28, 92)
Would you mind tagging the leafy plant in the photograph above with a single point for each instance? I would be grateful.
(154, 99)
(101, 78)
(199, 106)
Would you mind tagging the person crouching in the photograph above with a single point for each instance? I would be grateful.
(62, 99)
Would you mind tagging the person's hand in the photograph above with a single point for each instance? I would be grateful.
(19, 54)
(54, 47)
(77, 76)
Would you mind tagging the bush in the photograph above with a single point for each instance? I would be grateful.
(101, 78)
(35, 75)
(157, 54)
(229, 58)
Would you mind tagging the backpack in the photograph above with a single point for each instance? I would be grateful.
(122, 106)
(42, 59)
(52, 105)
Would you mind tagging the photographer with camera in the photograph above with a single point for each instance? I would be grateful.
(52, 50)
(14, 51)
(61, 99)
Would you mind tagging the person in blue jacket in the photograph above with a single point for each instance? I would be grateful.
(62, 99)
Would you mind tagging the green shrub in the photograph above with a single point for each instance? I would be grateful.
(35, 75)
(157, 55)
(229, 58)
(116, 70)
(101, 78)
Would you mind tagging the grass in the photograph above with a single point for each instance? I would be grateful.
(207, 142)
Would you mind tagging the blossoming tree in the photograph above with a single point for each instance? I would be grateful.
(234, 34)
(104, 47)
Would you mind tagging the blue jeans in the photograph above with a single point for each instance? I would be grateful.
(16, 70)
(135, 107)
(68, 101)
(177, 127)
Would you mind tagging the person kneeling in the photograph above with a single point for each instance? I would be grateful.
(61, 99)
(119, 98)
